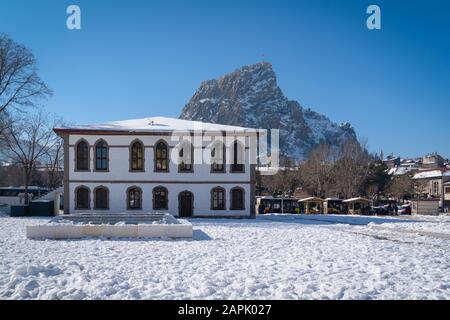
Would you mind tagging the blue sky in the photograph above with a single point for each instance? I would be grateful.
(145, 58)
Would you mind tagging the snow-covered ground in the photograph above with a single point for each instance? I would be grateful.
(272, 257)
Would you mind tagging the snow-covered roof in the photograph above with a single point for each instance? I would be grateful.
(23, 187)
(265, 168)
(398, 171)
(429, 174)
(357, 199)
(310, 199)
(155, 124)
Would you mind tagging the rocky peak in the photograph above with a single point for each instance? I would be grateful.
(250, 97)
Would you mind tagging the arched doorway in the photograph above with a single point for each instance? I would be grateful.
(185, 204)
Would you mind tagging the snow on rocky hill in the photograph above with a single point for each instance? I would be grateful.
(250, 97)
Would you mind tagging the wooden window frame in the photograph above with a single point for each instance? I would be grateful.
(95, 198)
(139, 190)
(95, 156)
(88, 156)
(88, 200)
(155, 157)
(214, 147)
(224, 201)
(132, 144)
(155, 189)
(234, 162)
(181, 168)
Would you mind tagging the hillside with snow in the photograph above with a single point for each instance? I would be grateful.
(250, 97)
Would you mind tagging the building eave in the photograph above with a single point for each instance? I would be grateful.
(64, 131)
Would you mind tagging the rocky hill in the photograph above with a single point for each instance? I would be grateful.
(250, 97)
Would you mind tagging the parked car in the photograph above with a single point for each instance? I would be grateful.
(382, 210)
(405, 209)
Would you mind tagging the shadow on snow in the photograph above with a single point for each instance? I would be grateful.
(264, 220)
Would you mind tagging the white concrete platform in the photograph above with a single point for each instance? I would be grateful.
(112, 226)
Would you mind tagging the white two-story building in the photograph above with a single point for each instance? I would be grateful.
(185, 168)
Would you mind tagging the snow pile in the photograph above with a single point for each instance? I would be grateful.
(272, 257)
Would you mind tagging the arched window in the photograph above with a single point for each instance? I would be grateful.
(237, 164)
(134, 198)
(237, 199)
(137, 156)
(186, 157)
(160, 198)
(82, 156)
(161, 157)
(101, 198)
(82, 198)
(218, 157)
(218, 198)
(101, 156)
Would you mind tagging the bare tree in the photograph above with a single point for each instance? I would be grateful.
(315, 173)
(10, 175)
(283, 182)
(20, 84)
(401, 186)
(53, 162)
(352, 169)
(4, 122)
(348, 172)
(28, 140)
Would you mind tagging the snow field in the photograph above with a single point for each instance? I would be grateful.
(272, 257)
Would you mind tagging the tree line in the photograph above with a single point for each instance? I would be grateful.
(344, 172)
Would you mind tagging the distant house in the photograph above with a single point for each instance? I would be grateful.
(432, 184)
(402, 166)
(432, 161)
(149, 165)
(392, 161)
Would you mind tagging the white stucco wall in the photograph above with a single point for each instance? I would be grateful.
(118, 178)
(119, 163)
(202, 199)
